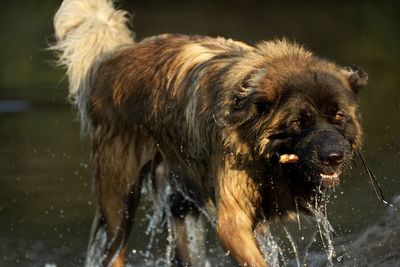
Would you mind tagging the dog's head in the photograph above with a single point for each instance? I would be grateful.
(300, 114)
(316, 124)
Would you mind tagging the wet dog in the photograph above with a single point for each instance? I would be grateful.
(244, 132)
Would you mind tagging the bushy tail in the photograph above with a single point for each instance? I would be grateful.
(87, 31)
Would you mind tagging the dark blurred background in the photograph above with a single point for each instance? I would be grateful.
(46, 201)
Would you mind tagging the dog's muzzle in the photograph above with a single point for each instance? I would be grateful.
(322, 152)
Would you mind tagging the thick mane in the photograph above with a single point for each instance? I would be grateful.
(272, 50)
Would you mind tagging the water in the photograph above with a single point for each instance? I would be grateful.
(160, 221)
(292, 246)
(47, 207)
(377, 245)
(46, 200)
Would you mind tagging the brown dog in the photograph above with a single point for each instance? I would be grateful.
(249, 130)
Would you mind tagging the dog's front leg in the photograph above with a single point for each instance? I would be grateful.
(238, 200)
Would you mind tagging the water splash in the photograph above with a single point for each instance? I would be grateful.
(320, 216)
(294, 246)
(161, 219)
(95, 253)
(278, 248)
(208, 210)
(269, 246)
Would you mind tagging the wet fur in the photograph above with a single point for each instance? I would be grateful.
(210, 114)
(208, 106)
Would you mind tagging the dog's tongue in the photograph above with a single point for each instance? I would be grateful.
(288, 158)
(330, 180)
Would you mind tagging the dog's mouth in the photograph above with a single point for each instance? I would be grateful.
(330, 180)
(324, 177)
(313, 158)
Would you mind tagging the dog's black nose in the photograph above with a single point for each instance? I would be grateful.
(331, 156)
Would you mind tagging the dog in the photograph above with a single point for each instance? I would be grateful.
(245, 132)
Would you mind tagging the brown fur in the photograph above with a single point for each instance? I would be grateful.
(207, 108)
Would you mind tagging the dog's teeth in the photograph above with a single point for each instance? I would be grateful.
(330, 180)
(288, 158)
(329, 176)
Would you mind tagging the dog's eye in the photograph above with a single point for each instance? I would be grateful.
(339, 116)
(296, 124)
(239, 102)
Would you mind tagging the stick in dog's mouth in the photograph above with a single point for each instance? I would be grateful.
(288, 158)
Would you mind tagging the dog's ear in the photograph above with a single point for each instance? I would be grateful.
(246, 100)
(259, 89)
(241, 94)
(252, 97)
(241, 103)
(356, 77)
(242, 98)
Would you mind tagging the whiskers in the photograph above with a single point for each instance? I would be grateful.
(375, 185)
